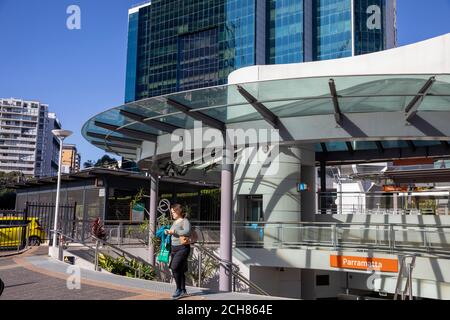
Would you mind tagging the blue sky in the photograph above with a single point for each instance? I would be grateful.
(82, 72)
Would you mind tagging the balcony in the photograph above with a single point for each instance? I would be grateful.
(11, 131)
(22, 152)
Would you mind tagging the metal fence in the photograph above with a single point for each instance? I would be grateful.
(34, 224)
(13, 236)
(383, 237)
(396, 203)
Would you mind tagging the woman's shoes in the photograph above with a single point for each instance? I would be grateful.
(177, 294)
(2, 286)
(180, 294)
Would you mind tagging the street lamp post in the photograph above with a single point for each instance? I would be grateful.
(61, 135)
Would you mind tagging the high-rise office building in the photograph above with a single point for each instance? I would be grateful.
(71, 159)
(177, 45)
(27, 144)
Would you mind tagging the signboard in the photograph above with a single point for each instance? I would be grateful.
(69, 260)
(137, 212)
(395, 188)
(302, 187)
(364, 263)
(101, 193)
(412, 162)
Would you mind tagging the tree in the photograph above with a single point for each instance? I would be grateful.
(107, 162)
(8, 195)
(104, 162)
(88, 164)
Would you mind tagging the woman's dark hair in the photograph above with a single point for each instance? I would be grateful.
(177, 205)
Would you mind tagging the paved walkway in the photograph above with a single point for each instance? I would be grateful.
(35, 276)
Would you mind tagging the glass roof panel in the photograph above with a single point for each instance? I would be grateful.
(301, 107)
(435, 103)
(91, 127)
(233, 114)
(144, 128)
(151, 107)
(289, 89)
(209, 97)
(441, 85)
(336, 146)
(380, 85)
(364, 145)
(179, 119)
(426, 143)
(373, 104)
(394, 144)
(285, 98)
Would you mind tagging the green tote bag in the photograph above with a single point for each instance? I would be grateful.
(164, 256)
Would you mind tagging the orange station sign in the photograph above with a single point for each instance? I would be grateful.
(364, 263)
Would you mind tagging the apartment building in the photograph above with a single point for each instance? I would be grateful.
(26, 142)
(71, 159)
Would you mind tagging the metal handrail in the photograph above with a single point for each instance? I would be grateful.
(234, 269)
(98, 241)
(300, 223)
(408, 286)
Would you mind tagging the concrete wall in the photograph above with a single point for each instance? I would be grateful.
(280, 282)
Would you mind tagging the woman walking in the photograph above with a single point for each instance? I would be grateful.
(180, 232)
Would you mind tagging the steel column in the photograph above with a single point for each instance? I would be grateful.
(323, 187)
(154, 180)
(226, 217)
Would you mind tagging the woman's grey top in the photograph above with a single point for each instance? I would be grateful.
(182, 228)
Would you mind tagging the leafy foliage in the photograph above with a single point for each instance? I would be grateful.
(104, 162)
(98, 230)
(209, 269)
(7, 195)
(122, 267)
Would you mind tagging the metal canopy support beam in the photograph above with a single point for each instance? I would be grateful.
(335, 97)
(267, 115)
(113, 138)
(154, 184)
(350, 147)
(323, 187)
(411, 145)
(129, 132)
(380, 147)
(101, 144)
(324, 147)
(413, 106)
(209, 121)
(154, 124)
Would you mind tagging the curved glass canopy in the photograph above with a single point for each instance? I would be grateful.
(121, 130)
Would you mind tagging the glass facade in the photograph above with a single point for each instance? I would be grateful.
(333, 29)
(198, 60)
(178, 45)
(369, 25)
(133, 27)
(286, 31)
(192, 44)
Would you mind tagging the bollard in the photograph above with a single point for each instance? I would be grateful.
(61, 247)
(96, 255)
(199, 268)
(18, 240)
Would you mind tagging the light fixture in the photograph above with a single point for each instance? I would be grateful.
(61, 135)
